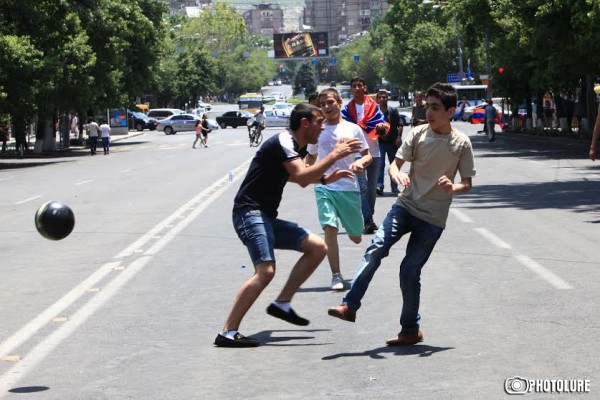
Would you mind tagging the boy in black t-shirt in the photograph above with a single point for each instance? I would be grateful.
(278, 161)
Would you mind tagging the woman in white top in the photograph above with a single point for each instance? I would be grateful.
(105, 134)
(92, 129)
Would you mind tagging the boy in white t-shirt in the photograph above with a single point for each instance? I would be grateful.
(92, 129)
(338, 201)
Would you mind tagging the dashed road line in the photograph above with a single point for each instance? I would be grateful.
(29, 199)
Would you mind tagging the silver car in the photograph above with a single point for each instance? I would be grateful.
(177, 123)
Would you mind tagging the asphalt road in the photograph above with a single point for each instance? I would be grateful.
(129, 304)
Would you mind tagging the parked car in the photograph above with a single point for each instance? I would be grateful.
(141, 121)
(282, 109)
(234, 118)
(405, 117)
(276, 121)
(177, 123)
(161, 113)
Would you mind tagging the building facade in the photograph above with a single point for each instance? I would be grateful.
(343, 19)
(264, 19)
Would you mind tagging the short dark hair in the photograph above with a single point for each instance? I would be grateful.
(358, 79)
(333, 92)
(313, 96)
(445, 92)
(302, 110)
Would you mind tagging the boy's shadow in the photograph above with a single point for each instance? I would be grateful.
(422, 350)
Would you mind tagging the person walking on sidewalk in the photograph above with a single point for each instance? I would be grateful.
(340, 201)
(436, 152)
(490, 120)
(363, 111)
(595, 136)
(4, 135)
(92, 129)
(277, 162)
(105, 134)
(388, 142)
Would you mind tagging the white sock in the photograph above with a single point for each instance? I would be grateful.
(284, 305)
(229, 334)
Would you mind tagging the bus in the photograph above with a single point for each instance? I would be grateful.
(250, 102)
(471, 95)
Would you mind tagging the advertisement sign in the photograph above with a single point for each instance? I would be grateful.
(117, 117)
(301, 45)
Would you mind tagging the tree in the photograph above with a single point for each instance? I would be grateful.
(305, 80)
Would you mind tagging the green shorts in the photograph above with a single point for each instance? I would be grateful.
(343, 206)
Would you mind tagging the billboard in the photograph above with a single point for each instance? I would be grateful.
(301, 45)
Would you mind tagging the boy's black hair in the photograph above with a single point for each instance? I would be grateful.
(302, 110)
(445, 92)
(358, 79)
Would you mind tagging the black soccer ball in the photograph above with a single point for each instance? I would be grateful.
(54, 220)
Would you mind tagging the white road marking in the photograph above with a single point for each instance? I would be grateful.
(495, 240)
(29, 199)
(7, 178)
(202, 200)
(125, 170)
(544, 273)
(461, 216)
(83, 182)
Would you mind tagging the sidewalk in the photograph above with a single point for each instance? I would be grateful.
(11, 152)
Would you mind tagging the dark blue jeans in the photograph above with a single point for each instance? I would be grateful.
(423, 237)
(386, 149)
(367, 181)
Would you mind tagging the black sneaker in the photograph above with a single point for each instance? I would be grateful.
(238, 341)
(290, 316)
(370, 228)
(379, 191)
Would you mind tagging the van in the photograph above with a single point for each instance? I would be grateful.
(162, 113)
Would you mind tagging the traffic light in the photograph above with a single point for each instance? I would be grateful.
(501, 70)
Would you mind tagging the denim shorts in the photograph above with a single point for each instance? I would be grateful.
(262, 234)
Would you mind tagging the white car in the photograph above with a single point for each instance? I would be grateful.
(177, 123)
(276, 121)
(204, 105)
(284, 109)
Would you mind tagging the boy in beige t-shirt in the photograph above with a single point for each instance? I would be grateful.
(436, 152)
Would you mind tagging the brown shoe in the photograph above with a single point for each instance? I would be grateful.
(343, 312)
(405, 339)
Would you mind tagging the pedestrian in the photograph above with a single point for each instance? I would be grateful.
(198, 129)
(92, 129)
(313, 99)
(4, 135)
(436, 152)
(278, 161)
(205, 130)
(418, 111)
(490, 120)
(595, 136)
(388, 142)
(105, 134)
(338, 202)
(364, 111)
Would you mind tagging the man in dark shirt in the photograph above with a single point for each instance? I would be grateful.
(278, 161)
(419, 111)
(388, 142)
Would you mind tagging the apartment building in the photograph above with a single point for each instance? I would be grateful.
(264, 19)
(343, 18)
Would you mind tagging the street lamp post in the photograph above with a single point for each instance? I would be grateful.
(461, 72)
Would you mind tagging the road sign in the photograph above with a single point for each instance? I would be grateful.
(356, 58)
(332, 61)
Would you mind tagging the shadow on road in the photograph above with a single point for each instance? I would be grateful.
(577, 196)
(379, 353)
(267, 338)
